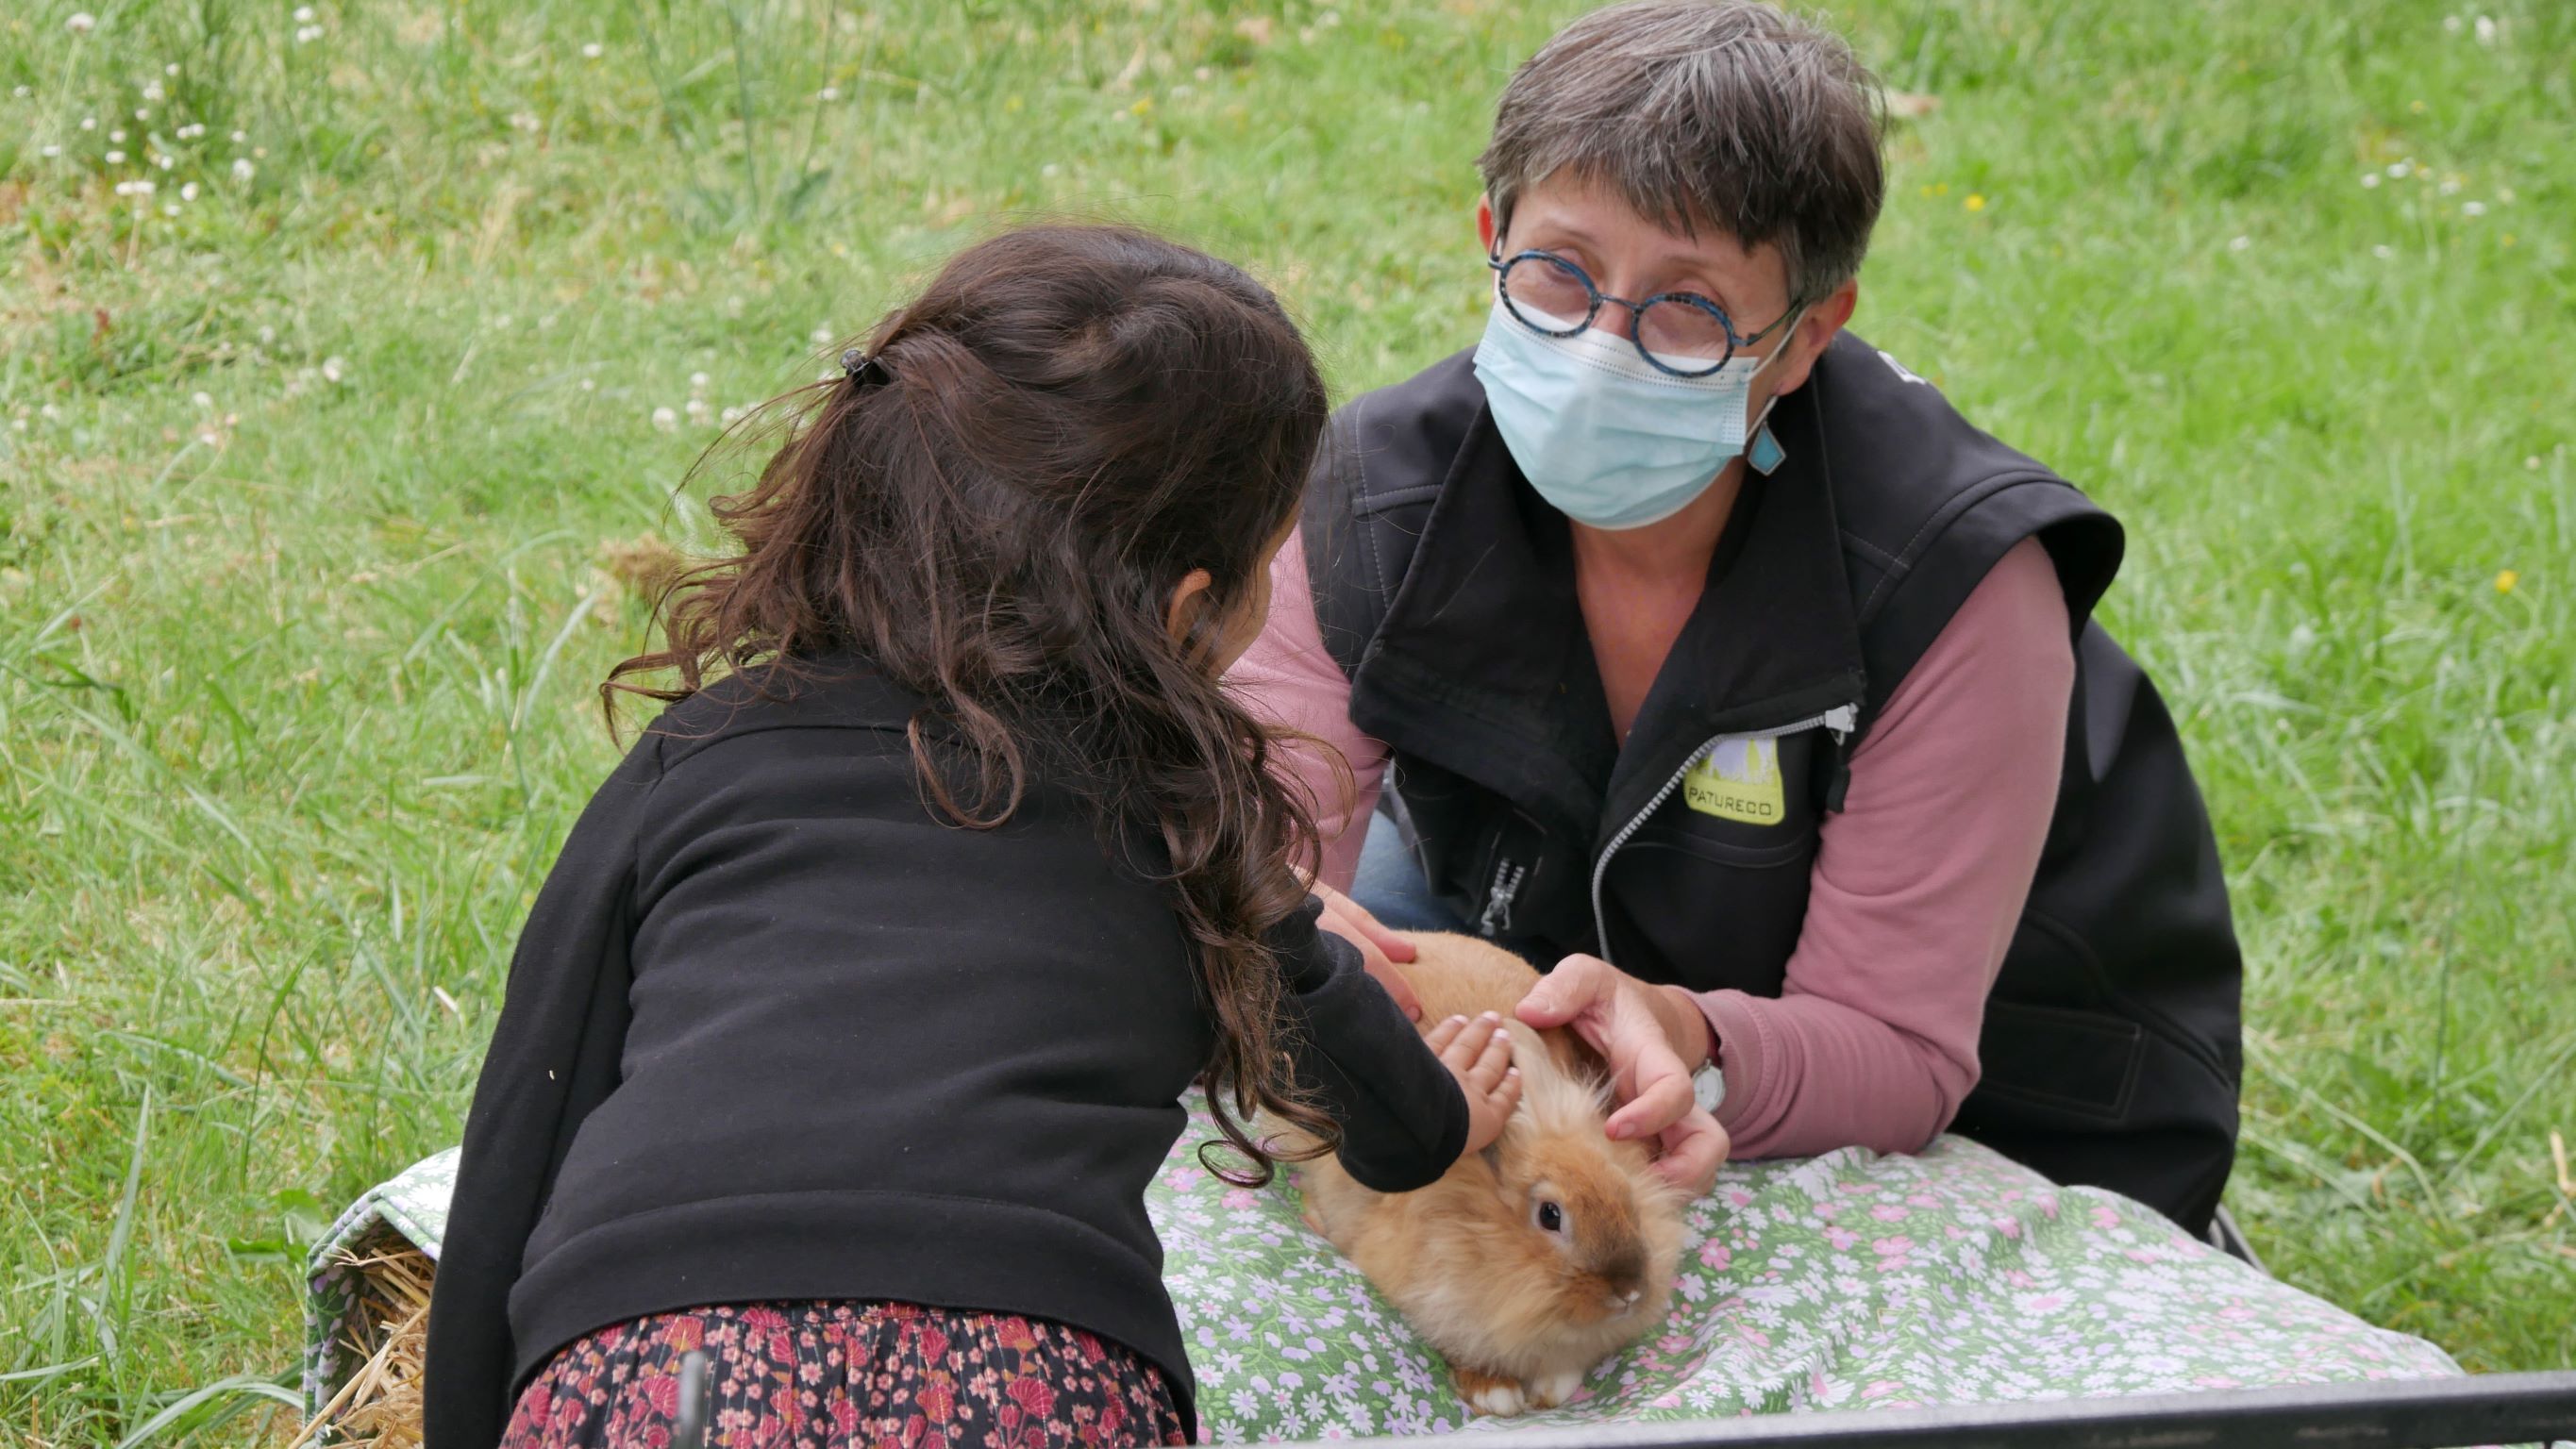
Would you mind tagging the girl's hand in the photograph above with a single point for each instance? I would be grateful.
(1479, 1054)
(1654, 1038)
(1379, 947)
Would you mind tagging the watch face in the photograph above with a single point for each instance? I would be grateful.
(1708, 1085)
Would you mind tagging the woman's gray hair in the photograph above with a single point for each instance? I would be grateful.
(1721, 113)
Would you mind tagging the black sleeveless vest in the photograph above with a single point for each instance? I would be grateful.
(1445, 588)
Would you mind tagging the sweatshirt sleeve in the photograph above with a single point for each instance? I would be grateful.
(554, 1056)
(1288, 678)
(1918, 886)
(1403, 1116)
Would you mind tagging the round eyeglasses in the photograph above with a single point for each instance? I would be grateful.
(1681, 333)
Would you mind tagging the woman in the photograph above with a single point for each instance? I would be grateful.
(1704, 654)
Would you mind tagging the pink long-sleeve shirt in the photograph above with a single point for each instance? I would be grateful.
(1918, 881)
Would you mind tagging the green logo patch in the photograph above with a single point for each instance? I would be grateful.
(1738, 780)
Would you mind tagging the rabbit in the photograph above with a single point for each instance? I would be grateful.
(1530, 1262)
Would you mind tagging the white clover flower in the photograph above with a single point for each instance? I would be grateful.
(89, 123)
(20, 92)
(698, 381)
(590, 384)
(2505, 195)
(267, 335)
(733, 415)
(134, 188)
(334, 368)
(2397, 169)
(115, 158)
(143, 113)
(50, 413)
(665, 420)
(2453, 25)
(2450, 185)
(204, 400)
(697, 410)
(188, 192)
(49, 152)
(2240, 244)
(171, 69)
(307, 34)
(164, 162)
(192, 130)
(303, 14)
(80, 22)
(2384, 252)
(2473, 208)
(117, 135)
(2487, 30)
(240, 136)
(822, 336)
(152, 92)
(242, 169)
(593, 51)
(210, 438)
(169, 208)
(2369, 179)
(828, 93)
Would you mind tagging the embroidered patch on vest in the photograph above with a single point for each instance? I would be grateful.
(1738, 780)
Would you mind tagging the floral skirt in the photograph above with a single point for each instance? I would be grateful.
(844, 1375)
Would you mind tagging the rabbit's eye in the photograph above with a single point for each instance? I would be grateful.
(1549, 1217)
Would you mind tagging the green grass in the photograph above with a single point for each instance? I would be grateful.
(295, 682)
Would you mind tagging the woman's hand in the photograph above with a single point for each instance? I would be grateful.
(1379, 947)
(1479, 1054)
(1654, 1038)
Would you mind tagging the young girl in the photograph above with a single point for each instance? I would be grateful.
(854, 1019)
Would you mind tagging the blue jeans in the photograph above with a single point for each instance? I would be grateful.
(1391, 885)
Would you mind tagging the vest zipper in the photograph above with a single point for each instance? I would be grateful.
(1506, 885)
(1839, 722)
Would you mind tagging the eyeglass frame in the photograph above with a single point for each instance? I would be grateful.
(1502, 267)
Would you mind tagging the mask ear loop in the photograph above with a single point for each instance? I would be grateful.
(1762, 450)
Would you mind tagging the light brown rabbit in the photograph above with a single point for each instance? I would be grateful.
(1530, 1262)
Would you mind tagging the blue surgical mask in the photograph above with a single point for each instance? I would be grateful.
(1607, 438)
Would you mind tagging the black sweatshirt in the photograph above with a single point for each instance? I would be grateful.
(773, 1031)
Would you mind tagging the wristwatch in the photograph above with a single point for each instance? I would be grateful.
(1708, 1084)
(1708, 1087)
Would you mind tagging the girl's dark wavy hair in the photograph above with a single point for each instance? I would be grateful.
(994, 511)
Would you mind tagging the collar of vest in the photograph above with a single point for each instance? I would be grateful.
(1483, 645)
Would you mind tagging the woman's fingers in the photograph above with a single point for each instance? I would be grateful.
(1694, 1149)
(1578, 992)
(1362, 921)
(1373, 956)
(1661, 1099)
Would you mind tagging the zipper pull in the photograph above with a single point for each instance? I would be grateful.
(1840, 723)
(1498, 898)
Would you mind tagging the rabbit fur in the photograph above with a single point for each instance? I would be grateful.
(1527, 1263)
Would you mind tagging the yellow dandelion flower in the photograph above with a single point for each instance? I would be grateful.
(2506, 580)
(1975, 201)
(1143, 105)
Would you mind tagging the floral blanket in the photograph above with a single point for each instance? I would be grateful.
(1840, 1281)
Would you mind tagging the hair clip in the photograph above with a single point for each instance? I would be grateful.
(863, 369)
